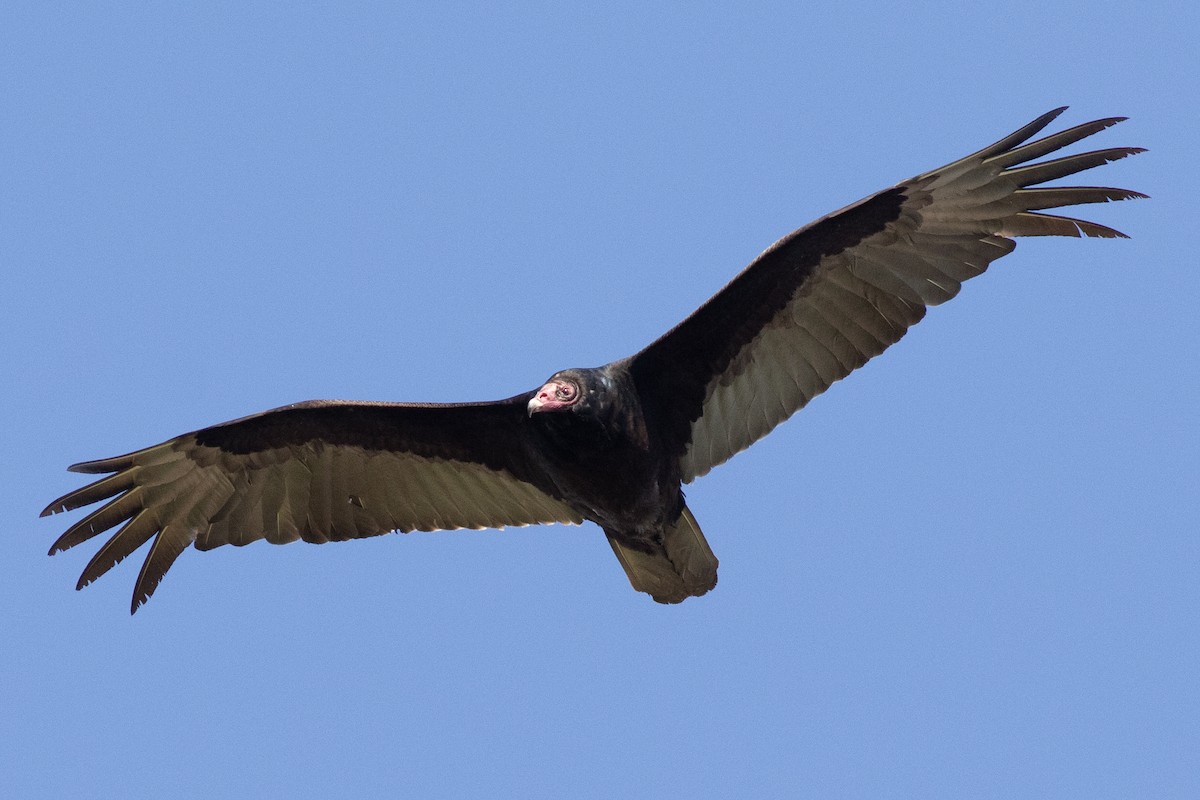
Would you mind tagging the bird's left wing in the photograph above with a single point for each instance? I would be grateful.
(824, 299)
(318, 471)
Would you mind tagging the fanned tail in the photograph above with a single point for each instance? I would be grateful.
(684, 566)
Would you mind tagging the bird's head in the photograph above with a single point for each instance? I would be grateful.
(578, 390)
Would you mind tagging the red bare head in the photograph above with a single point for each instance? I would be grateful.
(555, 395)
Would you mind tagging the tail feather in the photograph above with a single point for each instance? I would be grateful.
(683, 567)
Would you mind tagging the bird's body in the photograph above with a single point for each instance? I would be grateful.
(605, 459)
(615, 444)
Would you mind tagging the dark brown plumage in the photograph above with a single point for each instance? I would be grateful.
(612, 444)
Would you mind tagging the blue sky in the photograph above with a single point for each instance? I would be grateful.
(970, 570)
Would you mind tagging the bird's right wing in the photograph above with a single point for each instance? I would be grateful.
(823, 300)
(319, 471)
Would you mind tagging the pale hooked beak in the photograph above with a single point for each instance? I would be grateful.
(544, 397)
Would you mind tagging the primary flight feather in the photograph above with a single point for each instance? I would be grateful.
(612, 444)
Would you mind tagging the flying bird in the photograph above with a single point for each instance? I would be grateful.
(611, 444)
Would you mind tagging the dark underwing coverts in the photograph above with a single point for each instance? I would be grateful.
(612, 444)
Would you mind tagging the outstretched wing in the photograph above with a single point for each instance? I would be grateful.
(821, 301)
(319, 471)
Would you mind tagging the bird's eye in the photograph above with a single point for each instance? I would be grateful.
(565, 391)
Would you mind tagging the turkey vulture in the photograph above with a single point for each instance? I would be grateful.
(612, 444)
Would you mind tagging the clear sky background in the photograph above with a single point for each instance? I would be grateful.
(970, 570)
